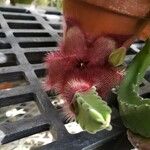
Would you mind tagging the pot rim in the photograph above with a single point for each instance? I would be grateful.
(142, 10)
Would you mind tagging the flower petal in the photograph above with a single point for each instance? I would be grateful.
(73, 86)
(57, 65)
(107, 80)
(74, 42)
(102, 48)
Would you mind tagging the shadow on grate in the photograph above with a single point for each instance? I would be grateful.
(117, 143)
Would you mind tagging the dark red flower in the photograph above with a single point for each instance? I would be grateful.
(80, 64)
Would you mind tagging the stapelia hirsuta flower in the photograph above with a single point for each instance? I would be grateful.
(79, 64)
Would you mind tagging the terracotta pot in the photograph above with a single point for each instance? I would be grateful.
(119, 18)
(138, 141)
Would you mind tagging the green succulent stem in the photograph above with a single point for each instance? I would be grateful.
(135, 110)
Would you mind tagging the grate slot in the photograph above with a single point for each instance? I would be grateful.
(40, 73)
(53, 18)
(19, 17)
(147, 76)
(56, 26)
(25, 25)
(11, 80)
(21, 129)
(37, 44)
(60, 34)
(141, 85)
(31, 34)
(73, 127)
(53, 12)
(146, 95)
(16, 112)
(14, 10)
(35, 57)
(32, 140)
(11, 61)
(4, 45)
(17, 99)
(2, 35)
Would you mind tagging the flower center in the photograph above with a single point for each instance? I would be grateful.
(82, 64)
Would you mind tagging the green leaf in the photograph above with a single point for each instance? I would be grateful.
(134, 108)
(92, 113)
(116, 58)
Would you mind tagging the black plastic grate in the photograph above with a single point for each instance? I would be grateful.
(26, 36)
